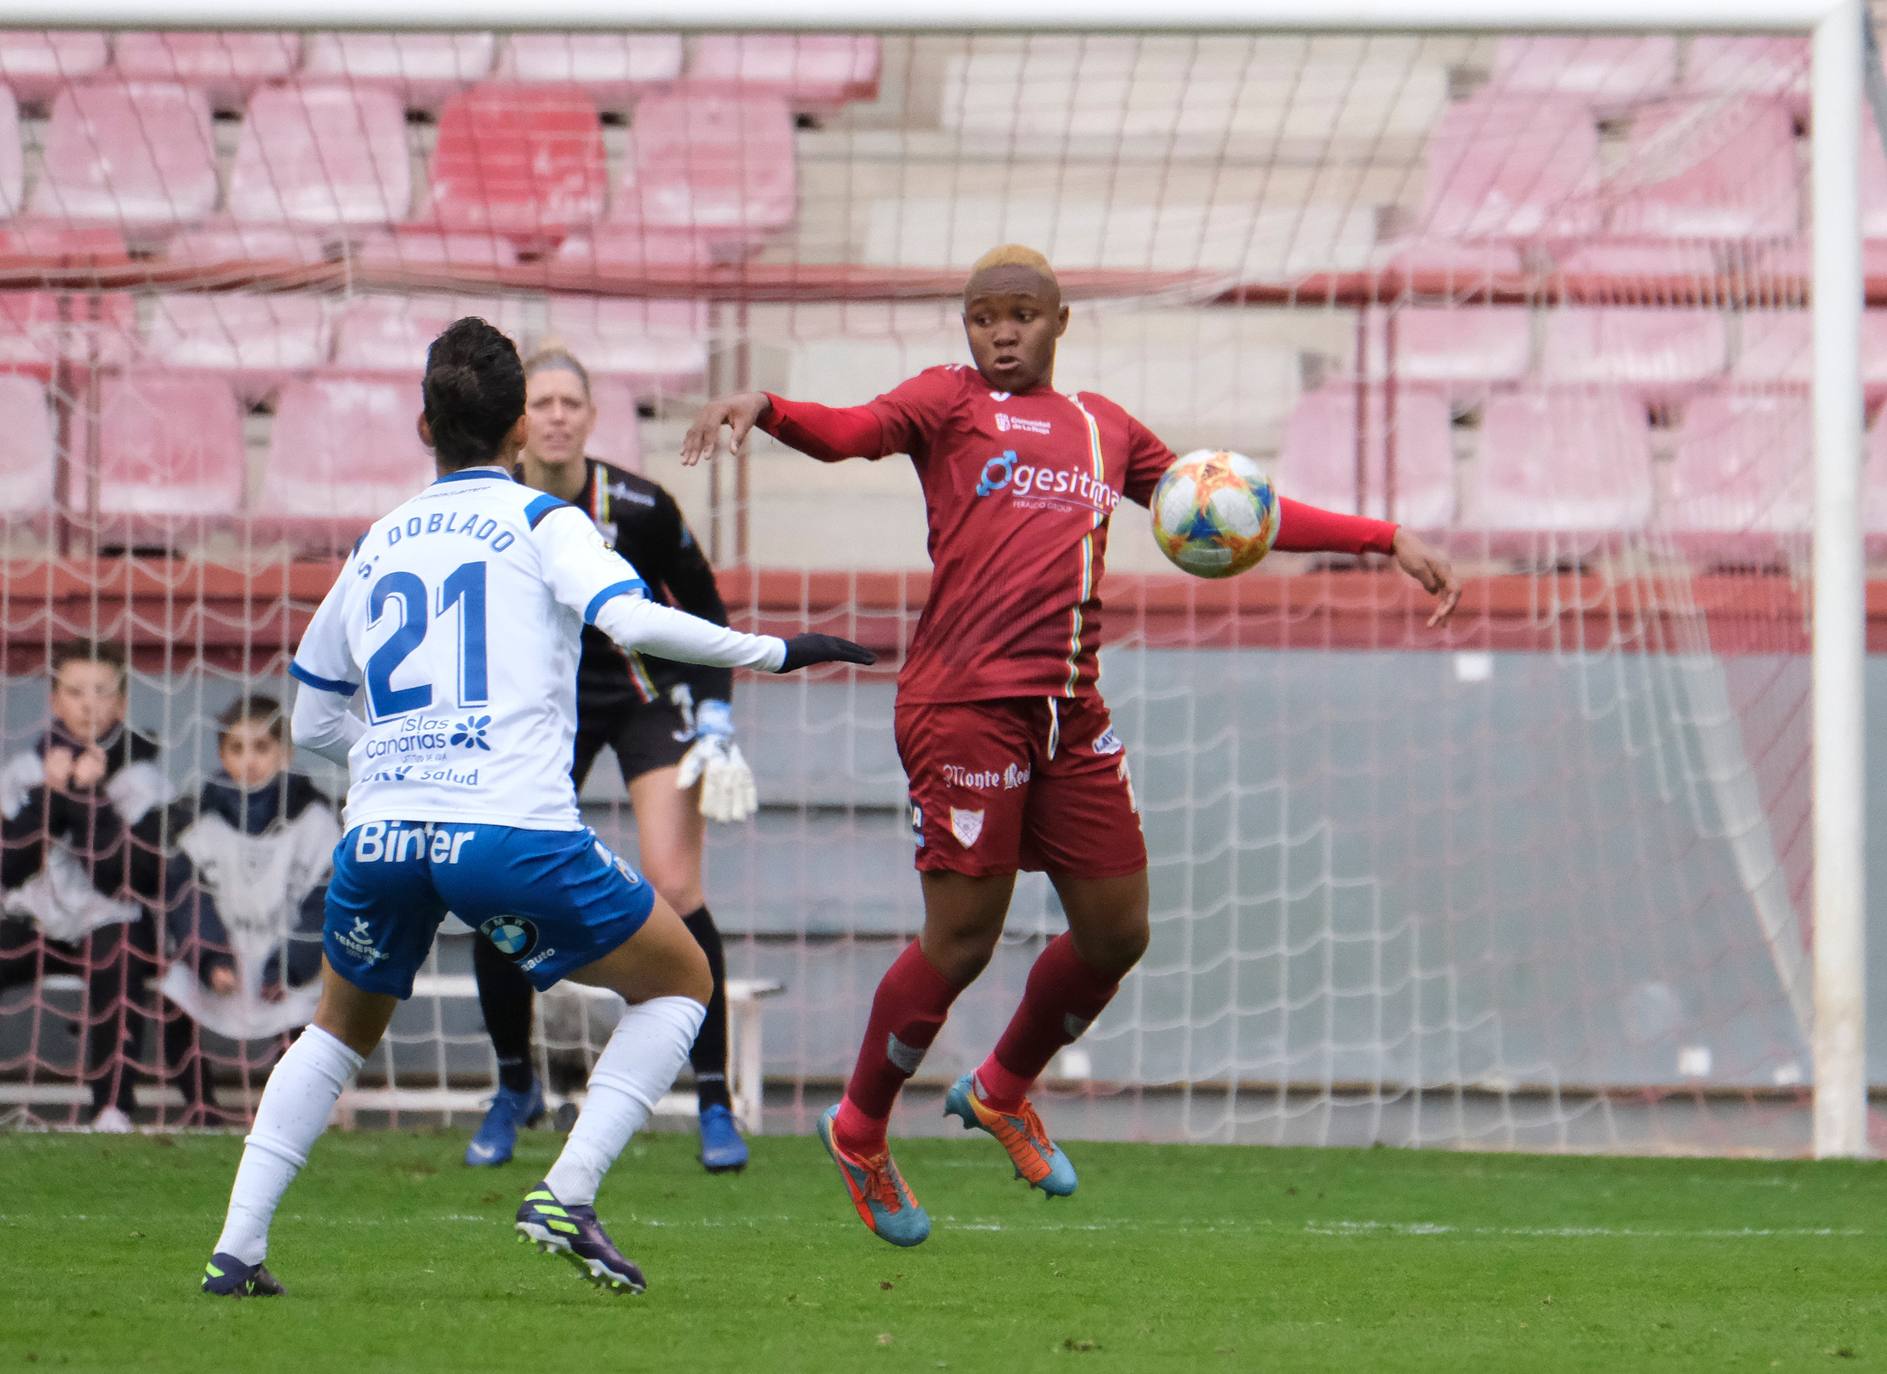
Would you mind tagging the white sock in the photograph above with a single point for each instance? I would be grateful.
(638, 1065)
(294, 1110)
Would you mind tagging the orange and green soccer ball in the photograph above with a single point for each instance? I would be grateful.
(1214, 513)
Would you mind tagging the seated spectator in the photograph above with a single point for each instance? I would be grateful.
(261, 841)
(87, 882)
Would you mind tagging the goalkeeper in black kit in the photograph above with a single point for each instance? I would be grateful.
(671, 730)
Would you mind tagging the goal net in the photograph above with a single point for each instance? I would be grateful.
(1541, 880)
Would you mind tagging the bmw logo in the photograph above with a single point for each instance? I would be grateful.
(514, 936)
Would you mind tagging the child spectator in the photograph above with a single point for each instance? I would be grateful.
(261, 841)
(86, 880)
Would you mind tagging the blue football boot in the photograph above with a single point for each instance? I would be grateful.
(884, 1202)
(722, 1149)
(497, 1134)
(225, 1276)
(576, 1234)
(1036, 1158)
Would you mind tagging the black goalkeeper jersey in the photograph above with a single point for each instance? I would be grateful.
(642, 520)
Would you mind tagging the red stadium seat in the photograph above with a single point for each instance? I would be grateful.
(1466, 346)
(612, 68)
(1452, 264)
(659, 348)
(27, 499)
(1874, 492)
(619, 250)
(1560, 469)
(1608, 71)
(32, 332)
(388, 335)
(1736, 172)
(171, 465)
(322, 156)
(94, 245)
(1721, 64)
(255, 342)
(36, 64)
(524, 161)
(39, 329)
(1513, 167)
(102, 330)
(1411, 480)
(140, 156)
(423, 69)
(232, 245)
(1791, 259)
(719, 167)
(1873, 181)
(1643, 272)
(1657, 354)
(1778, 348)
(12, 157)
(807, 70)
(617, 437)
(1741, 478)
(226, 65)
(342, 453)
(431, 249)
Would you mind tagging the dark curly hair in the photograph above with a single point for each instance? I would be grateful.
(474, 392)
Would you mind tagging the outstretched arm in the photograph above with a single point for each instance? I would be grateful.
(588, 576)
(903, 420)
(1311, 529)
(827, 433)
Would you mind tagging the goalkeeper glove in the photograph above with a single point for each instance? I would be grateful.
(714, 761)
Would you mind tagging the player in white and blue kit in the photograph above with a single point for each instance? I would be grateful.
(455, 623)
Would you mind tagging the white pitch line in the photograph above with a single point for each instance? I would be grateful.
(1430, 1228)
(1334, 1229)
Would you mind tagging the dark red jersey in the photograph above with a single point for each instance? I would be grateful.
(1018, 489)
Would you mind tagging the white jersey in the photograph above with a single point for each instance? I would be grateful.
(460, 614)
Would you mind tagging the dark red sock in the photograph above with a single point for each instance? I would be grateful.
(909, 1009)
(1062, 996)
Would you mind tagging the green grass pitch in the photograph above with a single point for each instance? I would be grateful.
(1169, 1258)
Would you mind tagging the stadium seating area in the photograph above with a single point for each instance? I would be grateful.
(190, 413)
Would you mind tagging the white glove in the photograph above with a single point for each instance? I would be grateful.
(714, 761)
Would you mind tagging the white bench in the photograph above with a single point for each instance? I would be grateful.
(744, 1073)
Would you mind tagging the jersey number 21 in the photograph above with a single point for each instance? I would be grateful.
(464, 587)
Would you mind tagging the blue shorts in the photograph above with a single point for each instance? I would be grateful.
(551, 900)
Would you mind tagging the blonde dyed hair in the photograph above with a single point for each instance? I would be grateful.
(1015, 255)
(550, 355)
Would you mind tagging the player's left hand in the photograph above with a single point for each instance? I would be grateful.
(714, 761)
(1430, 567)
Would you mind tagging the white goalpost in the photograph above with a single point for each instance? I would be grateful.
(1624, 674)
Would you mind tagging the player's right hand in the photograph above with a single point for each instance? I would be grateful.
(802, 651)
(739, 413)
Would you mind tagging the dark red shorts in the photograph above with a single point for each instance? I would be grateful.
(1033, 782)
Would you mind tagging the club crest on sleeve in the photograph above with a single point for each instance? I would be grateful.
(967, 826)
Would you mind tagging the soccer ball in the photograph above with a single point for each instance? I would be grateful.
(1214, 513)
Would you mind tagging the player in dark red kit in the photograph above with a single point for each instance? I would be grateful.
(1013, 763)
